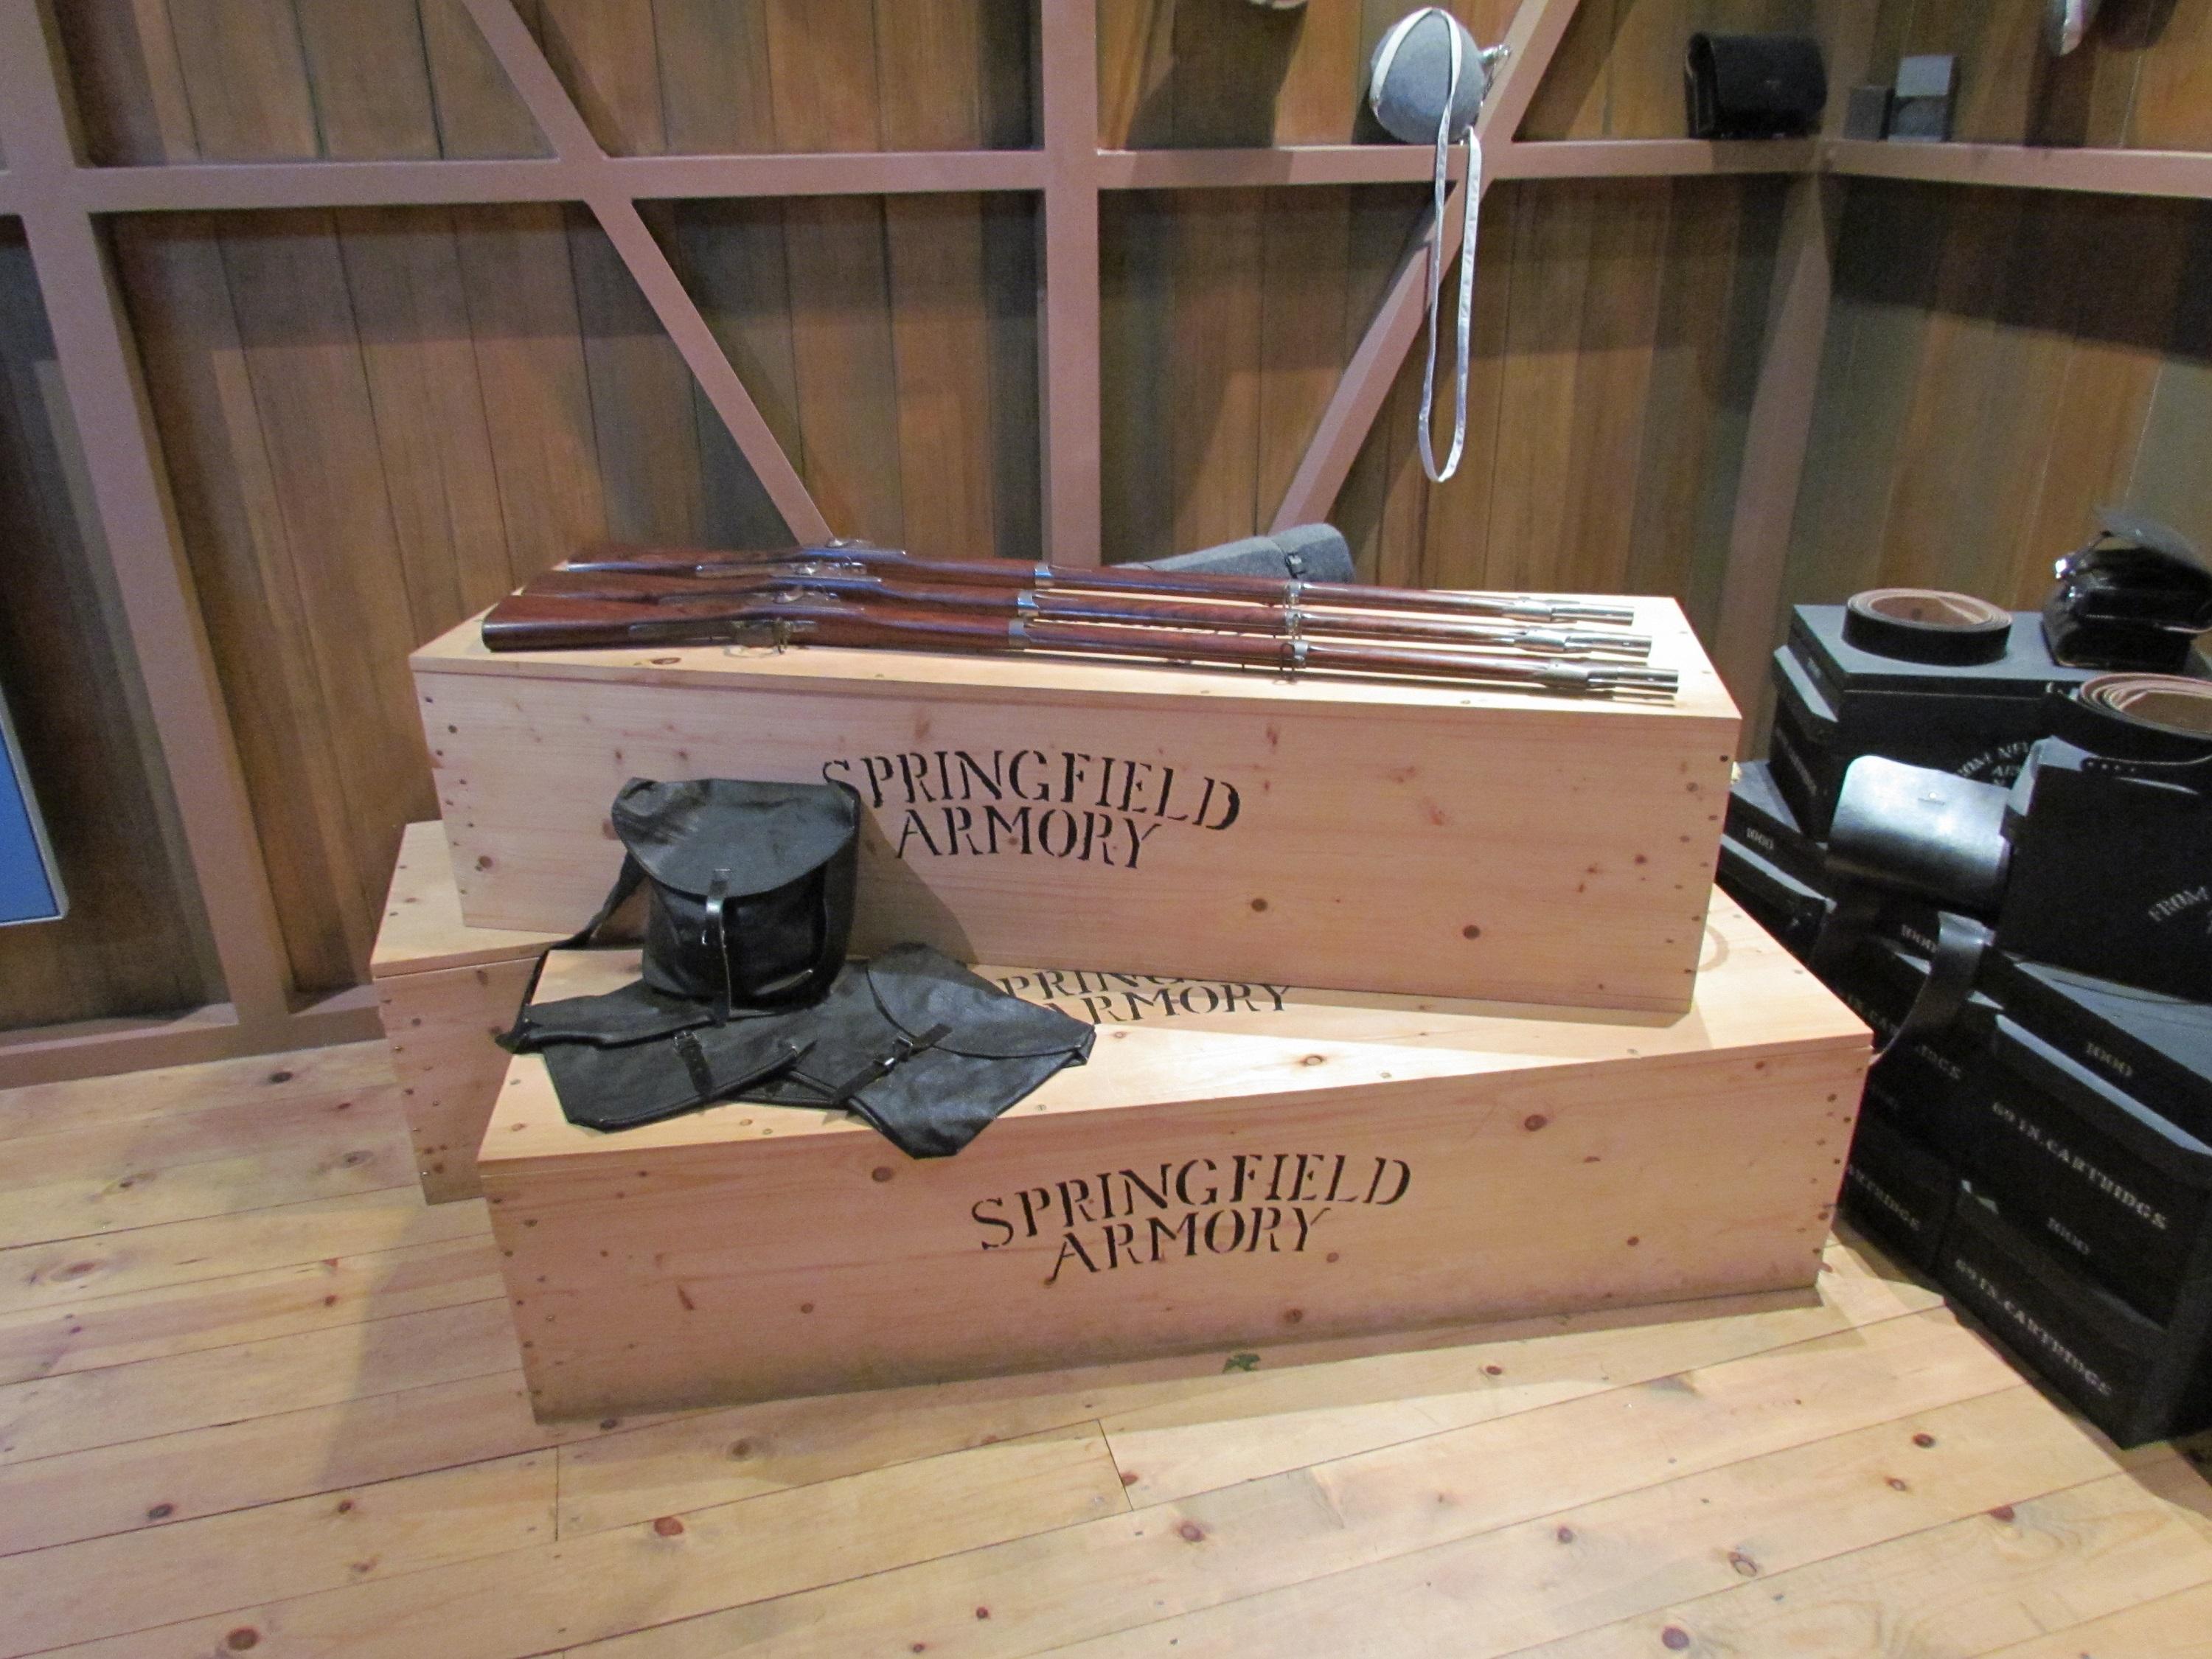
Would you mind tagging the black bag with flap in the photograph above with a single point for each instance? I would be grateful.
(1754, 86)
(749, 887)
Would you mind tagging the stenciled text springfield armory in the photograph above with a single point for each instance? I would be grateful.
(877, 599)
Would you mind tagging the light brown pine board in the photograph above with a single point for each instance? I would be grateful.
(271, 1458)
(1975, 1584)
(180, 1392)
(121, 1328)
(358, 1535)
(674, 1568)
(85, 1103)
(51, 1276)
(2166, 1626)
(1593, 1565)
(1165, 1560)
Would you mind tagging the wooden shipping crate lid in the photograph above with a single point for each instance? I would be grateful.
(1043, 677)
(423, 930)
(1752, 996)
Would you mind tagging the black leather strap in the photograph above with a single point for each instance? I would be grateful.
(694, 1062)
(1960, 942)
(904, 1050)
(627, 881)
(717, 940)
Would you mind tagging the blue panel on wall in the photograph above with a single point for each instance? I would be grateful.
(29, 889)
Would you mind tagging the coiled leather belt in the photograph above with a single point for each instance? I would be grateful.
(2137, 717)
(1924, 624)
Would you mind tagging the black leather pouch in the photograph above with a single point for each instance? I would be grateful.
(749, 887)
(925, 1051)
(1754, 86)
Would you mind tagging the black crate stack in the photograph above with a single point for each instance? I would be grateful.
(2047, 1156)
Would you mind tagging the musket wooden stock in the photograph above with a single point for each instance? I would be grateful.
(525, 622)
(994, 573)
(1229, 615)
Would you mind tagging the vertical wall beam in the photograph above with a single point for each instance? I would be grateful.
(1068, 358)
(100, 373)
(598, 187)
(1537, 30)
(1780, 429)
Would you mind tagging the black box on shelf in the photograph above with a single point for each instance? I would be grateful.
(2098, 1180)
(2133, 1377)
(1835, 702)
(1899, 1191)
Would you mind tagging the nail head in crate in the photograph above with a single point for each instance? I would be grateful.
(1841, 692)
(2133, 1378)
(1366, 835)
(1220, 1171)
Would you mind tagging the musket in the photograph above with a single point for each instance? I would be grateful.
(1114, 577)
(1231, 615)
(525, 622)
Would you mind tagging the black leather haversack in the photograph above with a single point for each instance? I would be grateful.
(750, 886)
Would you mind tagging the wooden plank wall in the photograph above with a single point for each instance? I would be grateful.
(375, 421)
(2143, 80)
(1203, 73)
(293, 80)
(1617, 334)
(131, 943)
(1999, 364)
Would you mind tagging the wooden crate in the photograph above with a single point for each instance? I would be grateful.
(1420, 840)
(444, 990)
(1213, 1176)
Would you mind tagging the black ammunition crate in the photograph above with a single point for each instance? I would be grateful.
(2157, 1048)
(1787, 908)
(1761, 820)
(2095, 1176)
(1899, 1191)
(2134, 1378)
(1835, 702)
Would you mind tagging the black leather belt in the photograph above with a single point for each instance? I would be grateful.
(1923, 624)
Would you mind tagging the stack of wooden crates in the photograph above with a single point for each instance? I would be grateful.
(1414, 1007)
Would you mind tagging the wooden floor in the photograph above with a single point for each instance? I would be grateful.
(254, 1396)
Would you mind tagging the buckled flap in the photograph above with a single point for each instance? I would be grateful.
(635, 1013)
(764, 834)
(918, 988)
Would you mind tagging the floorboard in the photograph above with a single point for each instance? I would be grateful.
(255, 1396)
